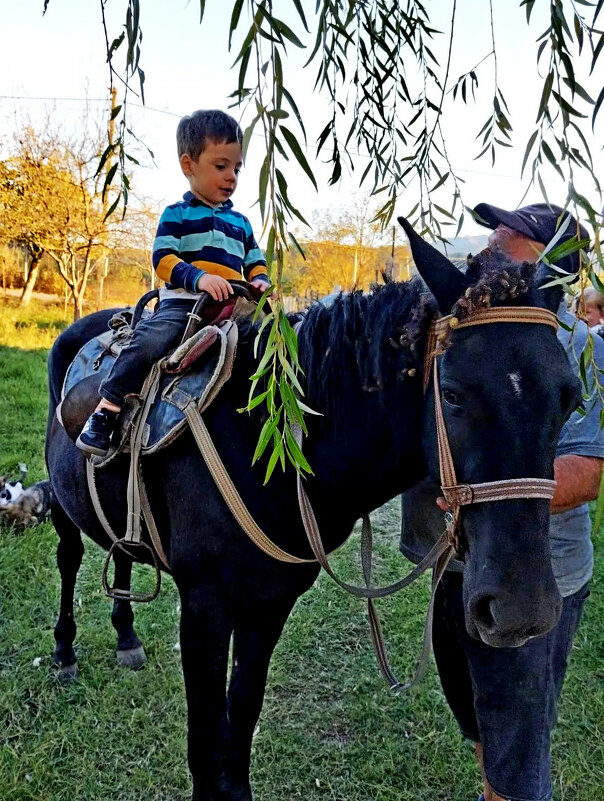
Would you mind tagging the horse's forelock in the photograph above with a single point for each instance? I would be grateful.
(495, 281)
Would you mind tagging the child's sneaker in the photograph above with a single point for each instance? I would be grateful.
(95, 437)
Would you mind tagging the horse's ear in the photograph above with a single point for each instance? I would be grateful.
(444, 280)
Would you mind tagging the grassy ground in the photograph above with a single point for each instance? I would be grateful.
(330, 729)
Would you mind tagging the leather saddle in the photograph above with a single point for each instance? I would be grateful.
(198, 367)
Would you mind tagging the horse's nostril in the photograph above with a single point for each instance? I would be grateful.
(481, 609)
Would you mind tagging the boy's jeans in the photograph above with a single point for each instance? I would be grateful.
(153, 338)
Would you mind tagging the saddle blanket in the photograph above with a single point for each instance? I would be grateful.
(198, 367)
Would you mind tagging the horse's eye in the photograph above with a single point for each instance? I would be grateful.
(450, 398)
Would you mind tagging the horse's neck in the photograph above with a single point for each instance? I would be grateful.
(368, 459)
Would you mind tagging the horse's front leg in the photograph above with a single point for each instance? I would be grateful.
(257, 631)
(130, 651)
(205, 633)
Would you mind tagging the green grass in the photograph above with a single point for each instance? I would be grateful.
(330, 728)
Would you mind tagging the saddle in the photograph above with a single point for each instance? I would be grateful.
(197, 369)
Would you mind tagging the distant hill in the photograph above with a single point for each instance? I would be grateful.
(462, 245)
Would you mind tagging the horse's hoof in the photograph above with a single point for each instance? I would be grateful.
(133, 658)
(66, 673)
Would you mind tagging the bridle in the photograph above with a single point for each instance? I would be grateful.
(458, 495)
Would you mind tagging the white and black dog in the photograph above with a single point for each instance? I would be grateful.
(20, 505)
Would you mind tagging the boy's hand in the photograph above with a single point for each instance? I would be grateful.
(260, 284)
(218, 287)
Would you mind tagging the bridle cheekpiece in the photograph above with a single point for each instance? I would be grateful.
(458, 495)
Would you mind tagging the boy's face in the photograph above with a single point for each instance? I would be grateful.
(213, 177)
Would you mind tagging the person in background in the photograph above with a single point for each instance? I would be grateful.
(201, 244)
(589, 306)
(505, 699)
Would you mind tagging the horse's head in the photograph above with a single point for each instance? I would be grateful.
(506, 390)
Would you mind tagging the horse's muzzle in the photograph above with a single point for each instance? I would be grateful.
(503, 620)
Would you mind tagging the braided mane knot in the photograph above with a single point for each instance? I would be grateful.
(497, 280)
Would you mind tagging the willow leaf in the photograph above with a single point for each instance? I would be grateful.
(297, 457)
(235, 16)
(597, 107)
(272, 462)
(297, 151)
(545, 95)
(266, 434)
(596, 53)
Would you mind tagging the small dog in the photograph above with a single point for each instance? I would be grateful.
(23, 506)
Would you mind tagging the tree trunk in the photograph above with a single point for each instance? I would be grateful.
(32, 275)
(77, 306)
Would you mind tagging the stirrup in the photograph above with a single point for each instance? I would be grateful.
(127, 595)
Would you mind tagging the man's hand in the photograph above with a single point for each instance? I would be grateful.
(216, 286)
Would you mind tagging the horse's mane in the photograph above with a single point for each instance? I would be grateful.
(367, 341)
(360, 340)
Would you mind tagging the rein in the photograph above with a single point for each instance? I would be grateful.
(457, 495)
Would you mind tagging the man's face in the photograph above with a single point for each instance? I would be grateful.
(517, 247)
(213, 177)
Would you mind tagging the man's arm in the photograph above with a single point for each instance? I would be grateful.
(577, 481)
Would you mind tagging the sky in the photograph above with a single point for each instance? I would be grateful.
(50, 64)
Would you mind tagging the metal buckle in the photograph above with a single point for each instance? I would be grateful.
(465, 494)
(450, 524)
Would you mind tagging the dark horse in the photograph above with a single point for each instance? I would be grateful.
(362, 361)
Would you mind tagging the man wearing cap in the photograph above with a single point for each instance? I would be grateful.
(505, 699)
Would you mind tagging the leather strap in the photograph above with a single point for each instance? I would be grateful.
(464, 494)
(458, 495)
(442, 327)
(228, 490)
(96, 501)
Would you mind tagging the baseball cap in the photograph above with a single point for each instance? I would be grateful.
(540, 223)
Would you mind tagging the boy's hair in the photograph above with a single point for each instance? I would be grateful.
(203, 126)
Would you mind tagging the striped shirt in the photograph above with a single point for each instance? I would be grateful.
(193, 239)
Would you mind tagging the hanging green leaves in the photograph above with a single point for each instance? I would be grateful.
(376, 62)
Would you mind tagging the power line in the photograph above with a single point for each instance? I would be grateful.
(88, 100)
(174, 114)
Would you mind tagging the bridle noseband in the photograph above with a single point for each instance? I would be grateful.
(458, 495)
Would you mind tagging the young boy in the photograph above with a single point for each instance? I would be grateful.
(201, 244)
